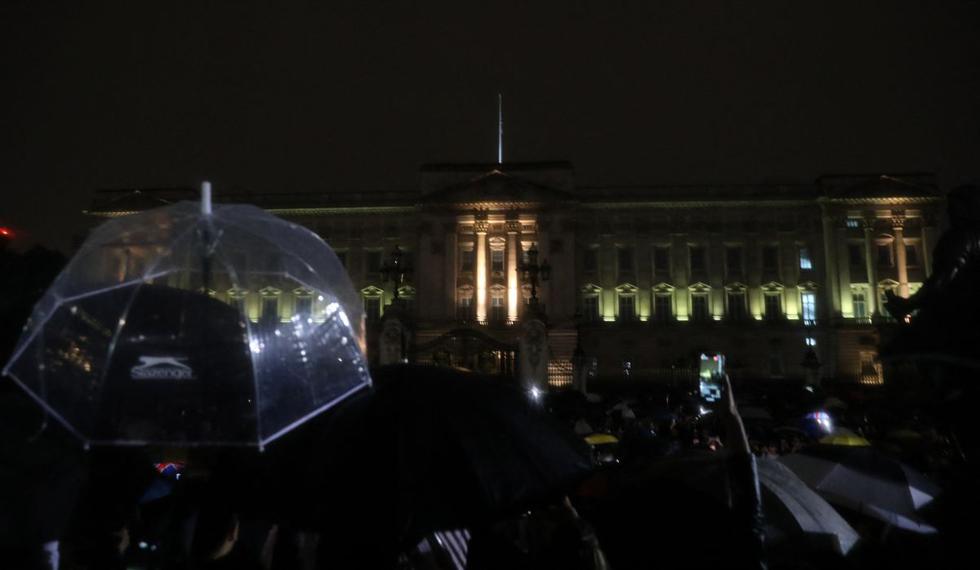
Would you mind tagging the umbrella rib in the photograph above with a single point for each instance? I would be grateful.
(248, 341)
(300, 421)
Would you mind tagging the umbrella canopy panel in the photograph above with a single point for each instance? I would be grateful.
(174, 327)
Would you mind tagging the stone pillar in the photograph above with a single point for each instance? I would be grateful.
(830, 264)
(513, 282)
(481, 228)
(534, 353)
(451, 266)
(871, 266)
(898, 227)
(928, 242)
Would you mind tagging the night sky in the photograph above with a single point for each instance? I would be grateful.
(355, 96)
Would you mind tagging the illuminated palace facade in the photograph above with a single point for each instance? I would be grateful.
(642, 279)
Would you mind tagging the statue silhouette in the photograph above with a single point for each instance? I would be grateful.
(946, 310)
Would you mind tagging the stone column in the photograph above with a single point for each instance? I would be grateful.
(830, 264)
(928, 242)
(450, 267)
(898, 227)
(513, 282)
(870, 266)
(481, 228)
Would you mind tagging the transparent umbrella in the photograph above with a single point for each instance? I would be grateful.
(187, 326)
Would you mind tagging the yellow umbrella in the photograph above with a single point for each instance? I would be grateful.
(845, 437)
(601, 438)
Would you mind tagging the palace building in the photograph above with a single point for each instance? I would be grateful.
(786, 280)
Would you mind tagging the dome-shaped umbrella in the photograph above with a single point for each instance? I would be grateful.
(185, 325)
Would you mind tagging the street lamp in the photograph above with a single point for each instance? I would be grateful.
(533, 271)
(398, 271)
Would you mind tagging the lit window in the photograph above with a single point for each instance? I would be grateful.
(805, 261)
(810, 341)
(809, 302)
(860, 306)
(853, 223)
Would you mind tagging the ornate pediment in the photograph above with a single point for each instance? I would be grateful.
(496, 189)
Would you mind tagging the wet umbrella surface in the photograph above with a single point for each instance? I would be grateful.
(182, 327)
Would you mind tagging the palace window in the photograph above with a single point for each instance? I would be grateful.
(498, 309)
(627, 306)
(661, 262)
(374, 261)
(270, 305)
(808, 300)
(372, 308)
(699, 307)
(466, 258)
(773, 305)
(697, 258)
(304, 304)
(885, 255)
(497, 260)
(911, 256)
(464, 304)
(805, 261)
(733, 260)
(737, 310)
(590, 307)
(853, 223)
(855, 254)
(663, 306)
(770, 259)
(859, 303)
(625, 257)
(590, 260)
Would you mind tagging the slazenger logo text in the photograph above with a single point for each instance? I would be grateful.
(161, 368)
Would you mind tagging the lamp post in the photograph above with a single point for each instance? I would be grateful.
(533, 271)
(397, 271)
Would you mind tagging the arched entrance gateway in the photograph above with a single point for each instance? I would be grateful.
(470, 349)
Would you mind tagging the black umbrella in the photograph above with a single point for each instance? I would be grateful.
(427, 449)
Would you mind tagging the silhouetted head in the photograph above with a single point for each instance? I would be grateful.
(963, 203)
